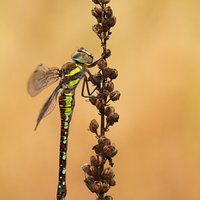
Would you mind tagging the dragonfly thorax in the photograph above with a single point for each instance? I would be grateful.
(71, 74)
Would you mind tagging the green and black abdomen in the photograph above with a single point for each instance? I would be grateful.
(71, 78)
(66, 104)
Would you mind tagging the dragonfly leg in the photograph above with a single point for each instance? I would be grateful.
(85, 82)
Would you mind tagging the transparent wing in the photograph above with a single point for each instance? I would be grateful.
(48, 106)
(41, 78)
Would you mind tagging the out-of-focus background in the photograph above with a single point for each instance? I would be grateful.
(156, 49)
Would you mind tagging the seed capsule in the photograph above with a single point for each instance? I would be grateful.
(89, 169)
(110, 150)
(95, 14)
(105, 187)
(106, 71)
(96, 160)
(89, 180)
(107, 53)
(94, 125)
(104, 141)
(105, 94)
(108, 12)
(112, 182)
(97, 148)
(97, 28)
(107, 197)
(108, 110)
(97, 186)
(102, 64)
(108, 173)
(113, 74)
(98, 11)
(112, 21)
(96, 1)
(105, 1)
(93, 100)
(100, 103)
(112, 118)
(114, 95)
(109, 86)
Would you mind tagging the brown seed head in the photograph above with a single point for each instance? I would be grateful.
(102, 64)
(112, 118)
(89, 169)
(112, 21)
(109, 86)
(94, 125)
(108, 12)
(100, 103)
(105, 1)
(93, 100)
(107, 197)
(114, 95)
(110, 151)
(106, 71)
(108, 110)
(113, 74)
(96, 160)
(104, 141)
(97, 28)
(96, 1)
(112, 182)
(108, 173)
(98, 10)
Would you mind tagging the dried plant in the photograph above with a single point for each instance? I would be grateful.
(99, 179)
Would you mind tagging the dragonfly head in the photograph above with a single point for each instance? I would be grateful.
(83, 55)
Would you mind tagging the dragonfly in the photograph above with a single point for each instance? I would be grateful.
(69, 76)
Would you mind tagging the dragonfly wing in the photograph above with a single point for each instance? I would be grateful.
(41, 78)
(48, 106)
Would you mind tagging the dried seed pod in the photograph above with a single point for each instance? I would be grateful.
(112, 182)
(108, 12)
(110, 150)
(102, 64)
(98, 10)
(106, 71)
(97, 28)
(114, 95)
(105, 1)
(94, 125)
(89, 169)
(97, 148)
(97, 187)
(93, 100)
(105, 187)
(109, 86)
(112, 21)
(112, 118)
(96, 1)
(100, 103)
(108, 110)
(105, 22)
(104, 141)
(89, 180)
(108, 173)
(107, 52)
(96, 160)
(113, 74)
(95, 14)
(105, 94)
(107, 197)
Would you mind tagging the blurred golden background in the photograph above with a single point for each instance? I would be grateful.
(155, 48)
